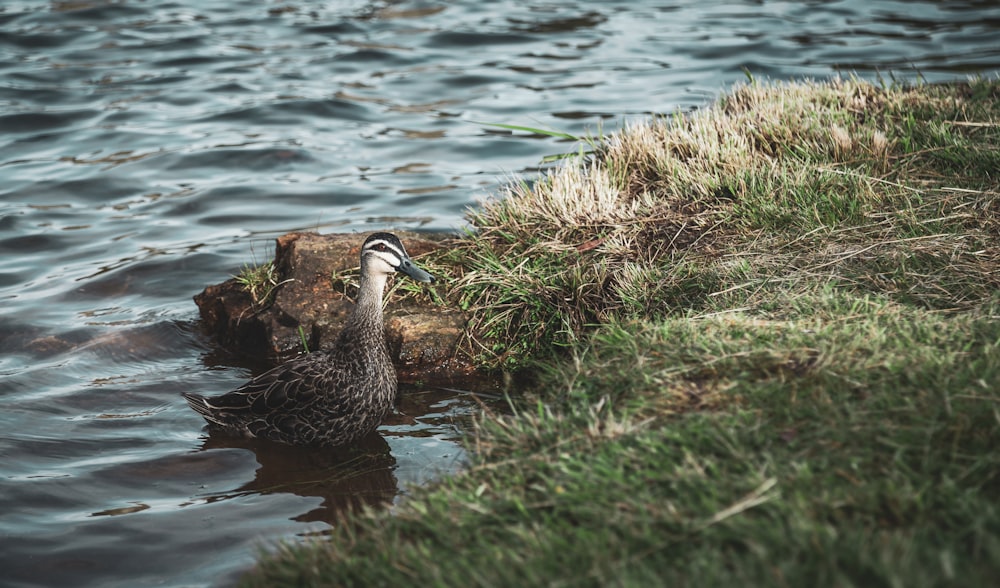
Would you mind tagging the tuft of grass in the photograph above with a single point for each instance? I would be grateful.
(260, 282)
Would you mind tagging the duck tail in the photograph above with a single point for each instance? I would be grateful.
(201, 405)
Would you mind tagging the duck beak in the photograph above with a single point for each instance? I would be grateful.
(410, 269)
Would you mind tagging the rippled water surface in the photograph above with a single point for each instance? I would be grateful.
(150, 148)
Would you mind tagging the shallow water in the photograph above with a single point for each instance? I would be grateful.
(148, 149)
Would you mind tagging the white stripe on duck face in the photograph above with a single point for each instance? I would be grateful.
(387, 251)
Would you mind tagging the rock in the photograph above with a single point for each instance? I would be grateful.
(423, 337)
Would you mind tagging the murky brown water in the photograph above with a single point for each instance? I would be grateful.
(149, 148)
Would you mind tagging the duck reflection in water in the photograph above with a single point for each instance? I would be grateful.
(346, 478)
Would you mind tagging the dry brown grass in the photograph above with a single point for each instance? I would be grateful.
(776, 187)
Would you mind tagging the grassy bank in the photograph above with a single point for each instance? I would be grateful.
(767, 339)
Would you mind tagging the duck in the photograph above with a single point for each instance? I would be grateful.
(331, 397)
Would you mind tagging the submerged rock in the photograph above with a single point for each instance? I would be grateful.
(310, 303)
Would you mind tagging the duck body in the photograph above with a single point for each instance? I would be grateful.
(330, 397)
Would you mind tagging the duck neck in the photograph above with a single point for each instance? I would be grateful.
(367, 314)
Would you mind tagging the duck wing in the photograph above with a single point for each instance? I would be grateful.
(275, 401)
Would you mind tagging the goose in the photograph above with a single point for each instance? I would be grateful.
(329, 397)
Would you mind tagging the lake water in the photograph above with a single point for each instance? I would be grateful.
(150, 148)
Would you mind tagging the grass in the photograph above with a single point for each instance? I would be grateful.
(764, 343)
(888, 190)
(260, 282)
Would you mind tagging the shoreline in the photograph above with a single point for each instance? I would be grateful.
(767, 346)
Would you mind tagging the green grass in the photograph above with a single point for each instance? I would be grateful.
(857, 445)
(260, 282)
(764, 349)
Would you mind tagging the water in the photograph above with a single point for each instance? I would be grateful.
(148, 149)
